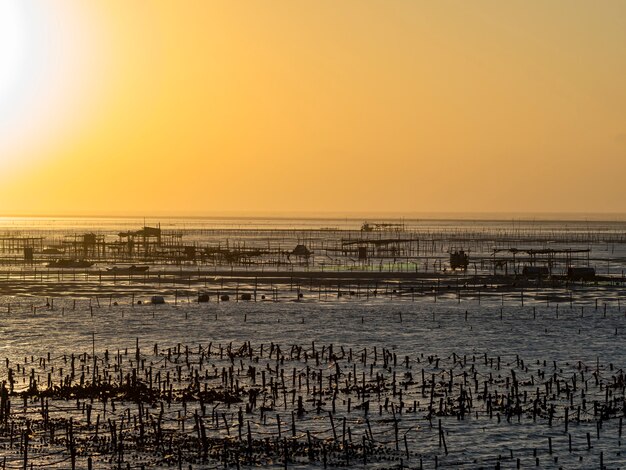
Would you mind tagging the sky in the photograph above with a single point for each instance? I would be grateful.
(203, 107)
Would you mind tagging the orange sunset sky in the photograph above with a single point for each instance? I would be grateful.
(199, 107)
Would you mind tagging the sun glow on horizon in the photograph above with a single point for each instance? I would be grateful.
(46, 81)
(13, 61)
(12, 49)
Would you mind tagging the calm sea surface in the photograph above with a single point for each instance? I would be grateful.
(582, 340)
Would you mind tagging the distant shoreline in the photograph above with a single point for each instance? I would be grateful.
(352, 216)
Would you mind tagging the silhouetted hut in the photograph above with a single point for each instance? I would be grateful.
(301, 250)
(190, 253)
(581, 274)
(535, 271)
(459, 259)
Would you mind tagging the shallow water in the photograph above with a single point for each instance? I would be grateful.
(417, 329)
(533, 340)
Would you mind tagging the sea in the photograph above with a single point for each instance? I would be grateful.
(510, 379)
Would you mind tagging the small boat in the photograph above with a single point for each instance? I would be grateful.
(70, 264)
(128, 269)
(51, 251)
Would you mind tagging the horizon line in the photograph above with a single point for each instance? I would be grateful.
(348, 215)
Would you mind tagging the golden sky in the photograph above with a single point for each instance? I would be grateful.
(197, 107)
